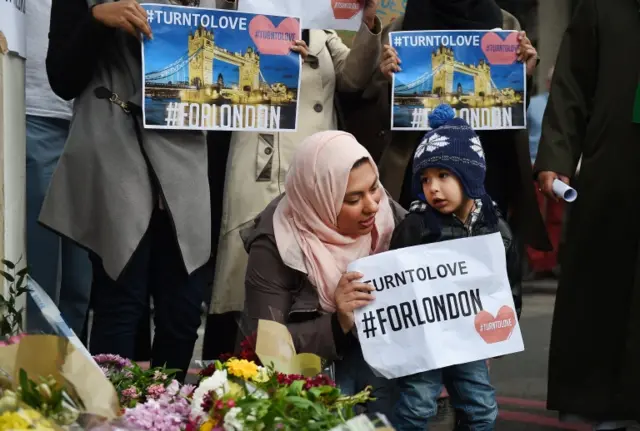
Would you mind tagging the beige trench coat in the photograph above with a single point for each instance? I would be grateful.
(258, 163)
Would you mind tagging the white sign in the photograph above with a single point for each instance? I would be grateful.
(437, 305)
(316, 14)
(12, 25)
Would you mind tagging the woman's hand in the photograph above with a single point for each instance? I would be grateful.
(527, 53)
(300, 46)
(125, 14)
(390, 63)
(369, 13)
(350, 295)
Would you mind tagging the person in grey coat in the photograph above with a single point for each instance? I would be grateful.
(137, 199)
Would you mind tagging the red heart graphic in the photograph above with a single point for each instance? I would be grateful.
(496, 329)
(274, 40)
(346, 9)
(499, 51)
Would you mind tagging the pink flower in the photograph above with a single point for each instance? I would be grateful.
(187, 391)
(159, 415)
(131, 393)
(173, 388)
(154, 391)
(109, 360)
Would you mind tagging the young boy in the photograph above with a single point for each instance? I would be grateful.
(448, 178)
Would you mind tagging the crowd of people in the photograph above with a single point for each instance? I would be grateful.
(140, 225)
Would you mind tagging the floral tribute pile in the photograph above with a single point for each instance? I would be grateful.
(236, 394)
(40, 404)
(36, 405)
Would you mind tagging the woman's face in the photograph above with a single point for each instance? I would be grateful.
(360, 204)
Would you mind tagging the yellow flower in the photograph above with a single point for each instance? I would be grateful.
(207, 426)
(13, 421)
(242, 368)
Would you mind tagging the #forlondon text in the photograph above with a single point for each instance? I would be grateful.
(424, 310)
(232, 116)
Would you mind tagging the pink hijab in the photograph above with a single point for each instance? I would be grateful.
(306, 218)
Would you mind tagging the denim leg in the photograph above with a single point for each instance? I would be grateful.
(418, 401)
(383, 390)
(177, 298)
(50, 257)
(120, 306)
(45, 140)
(346, 374)
(472, 396)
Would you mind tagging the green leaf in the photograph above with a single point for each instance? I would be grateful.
(20, 282)
(296, 387)
(9, 264)
(7, 276)
(23, 272)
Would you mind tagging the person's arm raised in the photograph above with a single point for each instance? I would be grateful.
(75, 43)
(77, 37)
(270, 287)
(354, 67)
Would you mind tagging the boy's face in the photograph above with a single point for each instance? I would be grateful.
(443, 190)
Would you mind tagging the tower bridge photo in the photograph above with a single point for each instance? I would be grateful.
(192, 76)
(456, 83)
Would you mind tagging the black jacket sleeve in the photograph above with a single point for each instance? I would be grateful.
(407, 233)
(514, 267)
(76, 40)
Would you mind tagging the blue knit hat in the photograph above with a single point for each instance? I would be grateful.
(453, 145)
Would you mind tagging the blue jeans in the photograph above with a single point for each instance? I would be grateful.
(353, 374)
(55, 263)
(470, 392)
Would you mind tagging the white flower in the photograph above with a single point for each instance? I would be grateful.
(231, 420)
(173, 388)
(477, 147)
(217, 383)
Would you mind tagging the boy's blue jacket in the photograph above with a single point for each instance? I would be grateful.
(415, 230)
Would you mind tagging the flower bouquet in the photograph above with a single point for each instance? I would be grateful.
(151, 399)
(43, 404)
(241, 395)
(48, 384)
(134, 384)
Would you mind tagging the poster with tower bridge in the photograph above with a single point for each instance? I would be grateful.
(210, 69)
(476, 72)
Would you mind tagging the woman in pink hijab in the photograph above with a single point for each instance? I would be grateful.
(334, 211)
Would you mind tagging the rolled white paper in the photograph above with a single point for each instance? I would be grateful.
(563, 191)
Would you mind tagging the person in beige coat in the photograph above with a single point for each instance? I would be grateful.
(257, 162)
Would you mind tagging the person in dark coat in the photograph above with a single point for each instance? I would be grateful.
(509, 171)
(594, 112)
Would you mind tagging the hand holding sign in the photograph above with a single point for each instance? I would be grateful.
(126, 14)
(390, 63)
(527, 53)
(349, 296)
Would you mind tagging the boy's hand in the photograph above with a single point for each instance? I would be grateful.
(527, 53)
(350, 295)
